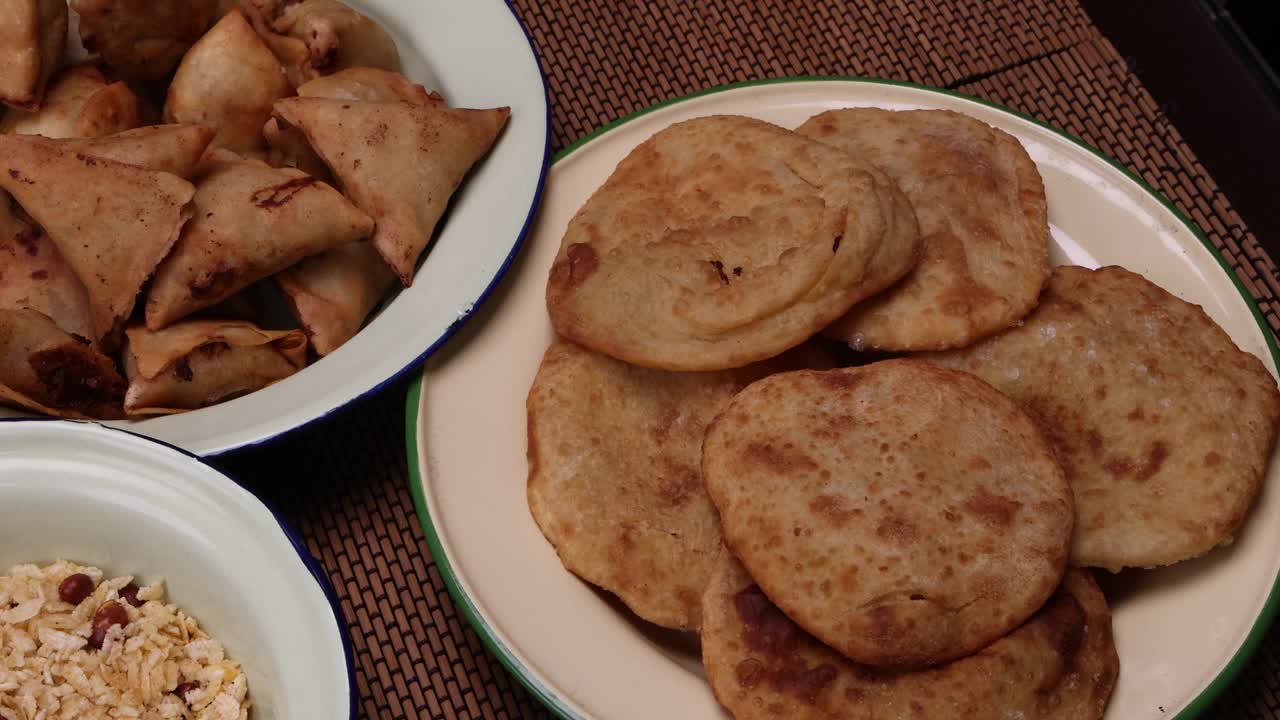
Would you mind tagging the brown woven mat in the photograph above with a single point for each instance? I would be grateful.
(344, 483)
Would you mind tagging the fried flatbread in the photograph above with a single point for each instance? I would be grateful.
(1060, 665)
(615, 481)
(724, 240)
(904, 514)
(1163, 426)
(981, 207)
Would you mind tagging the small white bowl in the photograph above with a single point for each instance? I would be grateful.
(132, 506)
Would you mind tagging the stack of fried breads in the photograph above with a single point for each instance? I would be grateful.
(819, 397)
(208, 147)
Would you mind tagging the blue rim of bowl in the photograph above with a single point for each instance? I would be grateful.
(470, 312)
(308, 560)
(549, 698)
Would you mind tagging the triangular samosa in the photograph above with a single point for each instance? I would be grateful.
(79, 103)
(397, 161)
(33, 34)
(46, 370)
(142, 39)
(333, 292)
(113, 223)
(198, 363)
(34, 276)
(228, 80)
(250, 221)
(171, 148)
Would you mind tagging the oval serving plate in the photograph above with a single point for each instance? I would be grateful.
(98, 496)
(476, 54)
(585, 657)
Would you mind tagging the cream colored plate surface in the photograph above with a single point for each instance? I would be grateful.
(1178, 629)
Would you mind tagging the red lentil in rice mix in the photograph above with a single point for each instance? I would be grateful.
(76, 645)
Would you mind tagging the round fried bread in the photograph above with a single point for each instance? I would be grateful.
(1060, 665)
(724, 240)
(981, 207)
(1163, 426)
(904, 514)
(615, 481)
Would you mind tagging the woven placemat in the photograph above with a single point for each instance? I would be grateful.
(344, 482)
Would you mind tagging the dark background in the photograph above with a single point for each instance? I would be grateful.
(1213, 66)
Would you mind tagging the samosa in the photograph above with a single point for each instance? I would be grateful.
(80, 102)
(33, 34)
(317, 37)
(198, 363)
(42, 368)
(34, 276)
(250, 221)
(142, 39)
(112, 222)
(398, 161)
(228, 80)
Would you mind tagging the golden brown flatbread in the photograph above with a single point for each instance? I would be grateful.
(79, 103)
(981, 207)
(228, 80)
(199, 363)
(398, 161)
(33, 34)
(142, 39)
(34, 275)
(615, 481)
(46, 370)
(1060, 665)
(112, 222)
(724, 240)
(313, 38)
(249, 222)
(904, 514)
(1163, 425)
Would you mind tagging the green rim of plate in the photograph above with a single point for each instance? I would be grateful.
(1194, 709)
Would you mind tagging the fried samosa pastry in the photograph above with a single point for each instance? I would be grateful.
(228, 80)
(49, 371)
(318, 37)
(112, 222)
(33, 274)
(397, 161)
(173, 149)
(204, 362)
(289, 145)
(142, 39)
(250, 221)
(79, 103)
(332, 293)
(33, 34)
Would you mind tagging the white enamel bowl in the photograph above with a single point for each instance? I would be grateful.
(117, 501)
(476, 54)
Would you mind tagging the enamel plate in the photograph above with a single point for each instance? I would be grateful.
(475, 54)
(1183, 633)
